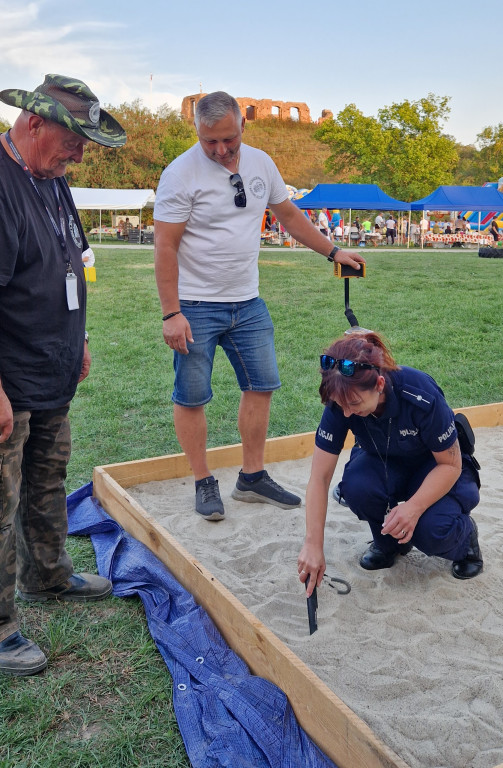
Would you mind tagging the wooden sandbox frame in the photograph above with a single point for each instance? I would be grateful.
(332, 725)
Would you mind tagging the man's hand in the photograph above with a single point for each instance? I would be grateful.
(350, 258)
(6, 417)
(177, 333)
(86, 363)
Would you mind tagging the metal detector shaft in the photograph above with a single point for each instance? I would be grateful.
(344, 271)
(348, 311)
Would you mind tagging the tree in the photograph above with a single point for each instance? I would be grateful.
(153, 141)
(403, 150)
(468, 170)
(489, 162)
(178, 135)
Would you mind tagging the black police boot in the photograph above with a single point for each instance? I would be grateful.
(472, 564)
(374, 558)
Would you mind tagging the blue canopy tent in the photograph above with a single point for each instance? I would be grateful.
(458, 198)
(358, 197)
(446, 198)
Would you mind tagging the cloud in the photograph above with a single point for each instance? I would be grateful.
(102, 53)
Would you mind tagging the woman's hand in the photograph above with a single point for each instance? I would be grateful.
(401, 521)
(311, 563)
(311, 560)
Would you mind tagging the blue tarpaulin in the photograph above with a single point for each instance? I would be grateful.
(357, 197)
(227, 716)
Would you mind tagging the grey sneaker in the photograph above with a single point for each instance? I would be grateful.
(79, 588)
(208, 501)
(19, 656)
(264, 490)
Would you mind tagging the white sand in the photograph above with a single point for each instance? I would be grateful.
(414, 652)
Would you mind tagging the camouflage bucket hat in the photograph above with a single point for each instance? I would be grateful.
(73, 105)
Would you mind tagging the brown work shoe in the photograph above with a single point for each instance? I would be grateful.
(79, 588)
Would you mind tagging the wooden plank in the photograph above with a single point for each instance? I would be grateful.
(490, 415)
(346, 739)
(337, 730)
(130, 473)
(299, 446)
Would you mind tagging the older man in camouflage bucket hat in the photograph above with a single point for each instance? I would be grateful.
(72, 104)
(43, 348)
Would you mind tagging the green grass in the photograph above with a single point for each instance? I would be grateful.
(106, 698)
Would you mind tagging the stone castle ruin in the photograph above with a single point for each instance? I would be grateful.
(260, 109)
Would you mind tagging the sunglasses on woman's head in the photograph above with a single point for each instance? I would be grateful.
(346, 367)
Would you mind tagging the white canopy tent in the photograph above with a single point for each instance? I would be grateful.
(112, 200)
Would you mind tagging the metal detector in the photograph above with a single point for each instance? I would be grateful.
(346, 272)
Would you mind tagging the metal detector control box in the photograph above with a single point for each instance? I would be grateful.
(343, 270)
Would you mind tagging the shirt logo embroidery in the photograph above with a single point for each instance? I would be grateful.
(326, 435)
(74, 231)
(257, 187)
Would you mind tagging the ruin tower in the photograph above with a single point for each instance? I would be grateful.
(255, 109)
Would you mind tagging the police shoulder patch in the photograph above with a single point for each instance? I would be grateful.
(419, 397)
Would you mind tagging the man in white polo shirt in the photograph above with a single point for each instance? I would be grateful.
(208, 215)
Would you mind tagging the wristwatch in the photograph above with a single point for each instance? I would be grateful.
(331, 255)
(86, 336)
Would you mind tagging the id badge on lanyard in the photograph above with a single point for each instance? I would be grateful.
(72, 297)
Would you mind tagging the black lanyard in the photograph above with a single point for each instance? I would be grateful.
(60, 233)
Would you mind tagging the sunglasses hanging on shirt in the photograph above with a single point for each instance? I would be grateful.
(240, 196)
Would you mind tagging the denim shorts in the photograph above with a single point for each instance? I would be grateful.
(245, 332)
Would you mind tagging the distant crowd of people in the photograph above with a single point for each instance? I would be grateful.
(386, 229)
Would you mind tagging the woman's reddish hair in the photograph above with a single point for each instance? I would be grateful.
(360, 348)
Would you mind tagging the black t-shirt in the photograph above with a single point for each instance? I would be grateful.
(41, 340)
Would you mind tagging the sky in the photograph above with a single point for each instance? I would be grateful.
(327, 54)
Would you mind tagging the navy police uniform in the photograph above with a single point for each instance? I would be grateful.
(416, 422)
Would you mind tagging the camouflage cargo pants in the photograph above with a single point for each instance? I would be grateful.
(33, 519)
